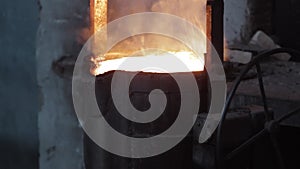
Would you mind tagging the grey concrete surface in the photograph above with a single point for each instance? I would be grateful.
(243, 18)
(18, 85)
(235, 20)
(59, 36)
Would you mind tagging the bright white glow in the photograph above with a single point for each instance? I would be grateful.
(189, 59)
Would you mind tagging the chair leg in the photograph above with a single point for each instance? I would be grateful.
(278, 153)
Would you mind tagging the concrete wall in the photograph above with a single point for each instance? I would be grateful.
(59, 39)
(242, 18)
(236, 14)
(18, 85)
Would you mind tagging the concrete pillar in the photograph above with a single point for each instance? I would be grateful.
(59, 39)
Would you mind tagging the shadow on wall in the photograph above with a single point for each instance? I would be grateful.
(18, 85)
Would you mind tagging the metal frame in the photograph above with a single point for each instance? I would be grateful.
(270, 124)
(215, 8)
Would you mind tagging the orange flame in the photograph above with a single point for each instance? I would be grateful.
(133, 48)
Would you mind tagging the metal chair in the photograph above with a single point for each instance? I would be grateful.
(271, 125)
